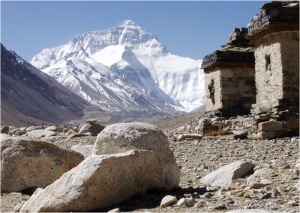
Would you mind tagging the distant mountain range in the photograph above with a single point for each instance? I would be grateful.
(125, 69)
(30, 97)
(123, 72)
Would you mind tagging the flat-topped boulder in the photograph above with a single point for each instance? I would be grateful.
(127, 136)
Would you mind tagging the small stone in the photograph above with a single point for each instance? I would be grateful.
(168, 201)
(90, 121)
(207, 195)
(293, 203)
(220, 207)
(239, 134)
(181, 202)
(259, 184)
(189, 202)
(275, 193)
(262, 117)
(267, 195)
(114, 210)
(200, 204)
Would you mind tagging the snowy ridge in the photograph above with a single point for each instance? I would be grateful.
(125, 69)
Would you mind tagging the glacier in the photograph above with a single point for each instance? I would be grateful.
(125, 68)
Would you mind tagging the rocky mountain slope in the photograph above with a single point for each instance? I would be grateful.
(125, 69)
(29, 96)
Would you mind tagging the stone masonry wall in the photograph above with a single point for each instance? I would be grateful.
(238, 88)
(230, 89)
(290, 64)
(275, 69)
(213, 91)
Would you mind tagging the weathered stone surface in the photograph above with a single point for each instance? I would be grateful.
(168, 201)
(100, 181)
(40, 133)
(266, 135)
(276, 67)
(95, 129)
(27, 163)
(292, 123)
(85, 150)
(270, 126)
(260, 178)
(223, 176)
(126, 136)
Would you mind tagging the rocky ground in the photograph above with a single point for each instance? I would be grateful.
(197, 158)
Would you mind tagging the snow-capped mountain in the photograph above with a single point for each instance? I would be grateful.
(125, 68)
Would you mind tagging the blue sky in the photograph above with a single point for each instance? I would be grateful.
(190, 29)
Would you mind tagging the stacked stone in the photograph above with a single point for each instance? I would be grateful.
(277, 124)
(275, 35)
(275, 12)
(270, 125)
(229, 79)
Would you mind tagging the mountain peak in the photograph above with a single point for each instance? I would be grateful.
(129, 23)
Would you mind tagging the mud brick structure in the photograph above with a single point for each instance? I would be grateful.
(229, 76)
(275, 35)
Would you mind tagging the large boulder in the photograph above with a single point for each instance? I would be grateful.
(100, 181)
(127, 136)
(27, 163)
(223, 176)
(94, 129)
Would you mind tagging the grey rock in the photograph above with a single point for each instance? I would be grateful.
(40, 133)
(94, 129)
(223, 176)
(270, 126)
(126, 136)
(100, 181)
(239, 134)
(260, 178)
(168, 201)
(27, 163)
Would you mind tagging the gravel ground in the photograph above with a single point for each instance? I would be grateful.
(197, 158)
